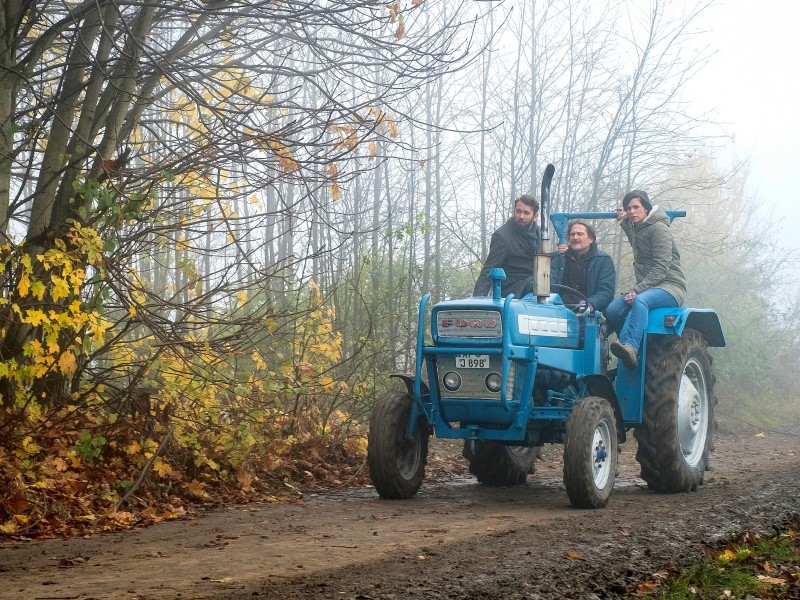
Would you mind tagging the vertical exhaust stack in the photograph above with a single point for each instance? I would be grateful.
(541, 262)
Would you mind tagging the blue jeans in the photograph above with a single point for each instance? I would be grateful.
(631, 330)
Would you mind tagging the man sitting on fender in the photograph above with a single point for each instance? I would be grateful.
(585, 268)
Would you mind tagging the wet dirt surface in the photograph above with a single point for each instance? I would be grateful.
(456, 539)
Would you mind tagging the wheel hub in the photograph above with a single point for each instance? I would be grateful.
(601, 466)
(693, 406)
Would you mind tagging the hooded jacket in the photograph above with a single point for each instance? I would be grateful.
(601, 278)
(656, 260)
(513, 249)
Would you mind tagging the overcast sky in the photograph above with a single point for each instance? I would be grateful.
(753, 83)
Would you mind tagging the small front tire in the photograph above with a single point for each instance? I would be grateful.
(396, 460)
(590, 453)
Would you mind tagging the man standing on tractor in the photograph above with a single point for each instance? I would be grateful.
(657, 266)
(513, 246)
(584, 268)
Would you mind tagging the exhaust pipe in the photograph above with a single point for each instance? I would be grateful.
(541, 262)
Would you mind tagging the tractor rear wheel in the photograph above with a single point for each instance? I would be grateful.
(675, 436)
(590, 453)
(497, 464)
(396, 460)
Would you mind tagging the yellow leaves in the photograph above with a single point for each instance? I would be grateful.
(67, 363)
(9, 527)
(259, 360)
(38, 290)
(197, 489)
(162, 468)
(254, 200)
(47, 297)
(727, 555)
(28, 447)
(60, 289)
(24, 285)
(35, 317)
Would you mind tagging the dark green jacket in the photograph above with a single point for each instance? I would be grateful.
(656, 260)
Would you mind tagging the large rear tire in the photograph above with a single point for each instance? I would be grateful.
(396, 461)
(675, 436)
(497, 464)
(590, 453)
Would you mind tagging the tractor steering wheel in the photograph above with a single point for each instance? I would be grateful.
(579, 308)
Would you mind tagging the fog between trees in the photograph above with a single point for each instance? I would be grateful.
(273, 186)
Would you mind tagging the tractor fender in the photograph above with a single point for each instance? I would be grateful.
(409, 380)
(672, 321)
(600, 385)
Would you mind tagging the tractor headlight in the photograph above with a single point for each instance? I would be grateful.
(493, 382)
(452, 381)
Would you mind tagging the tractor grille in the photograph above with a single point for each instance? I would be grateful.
(473, 381)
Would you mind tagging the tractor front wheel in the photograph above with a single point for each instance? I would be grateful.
(497, 464)
(675, 436)
(396, 460)
(590, 453)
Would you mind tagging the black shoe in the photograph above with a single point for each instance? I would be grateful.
(625, 353)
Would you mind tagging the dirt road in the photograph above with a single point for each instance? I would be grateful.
(457, 539)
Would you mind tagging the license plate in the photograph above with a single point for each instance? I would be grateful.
(472, 361)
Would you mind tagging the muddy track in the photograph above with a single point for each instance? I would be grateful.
(457, 539)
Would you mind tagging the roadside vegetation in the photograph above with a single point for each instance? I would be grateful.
(751, 567)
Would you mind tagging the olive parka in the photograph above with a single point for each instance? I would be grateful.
(656, 260)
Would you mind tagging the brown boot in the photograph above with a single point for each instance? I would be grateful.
(625, 353)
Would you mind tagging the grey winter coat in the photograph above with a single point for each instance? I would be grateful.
(513, 249)
(657, 262)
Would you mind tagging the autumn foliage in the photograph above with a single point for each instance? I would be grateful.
(200, 427)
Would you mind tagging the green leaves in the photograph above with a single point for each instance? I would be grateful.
(90, 446)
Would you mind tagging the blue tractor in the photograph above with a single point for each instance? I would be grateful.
(508, 375)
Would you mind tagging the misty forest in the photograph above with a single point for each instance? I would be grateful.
(217, 219)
